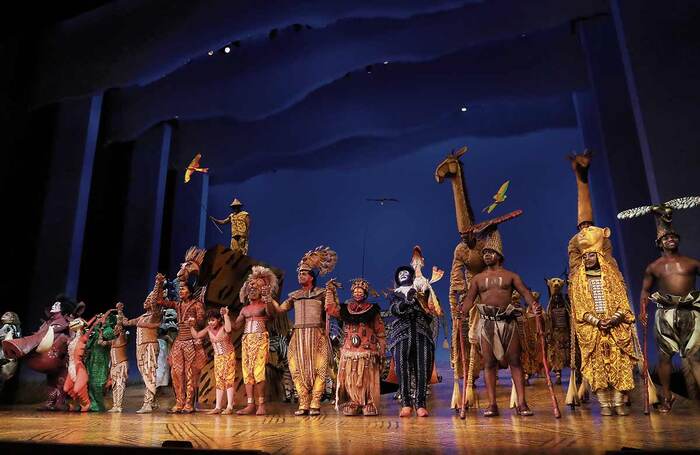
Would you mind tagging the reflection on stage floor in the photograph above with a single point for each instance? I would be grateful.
(443, 431)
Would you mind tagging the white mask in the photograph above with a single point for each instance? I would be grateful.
(403, 276)
(56, 308)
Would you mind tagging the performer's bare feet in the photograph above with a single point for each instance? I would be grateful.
(422, 412)
(524, 410)
(214, 411)
(351, 409)
(175, 409)
(491, 411)
(115, 410)
(606, 411)
(249, 409)
(301, 412)
(666, 405)
(261, 410)
(145, 409)
(187, 410)
(406, 411)
(314, 412)
(227, 411)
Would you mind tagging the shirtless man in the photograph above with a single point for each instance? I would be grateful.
(497, 326)
(256, 295)
(677, 325)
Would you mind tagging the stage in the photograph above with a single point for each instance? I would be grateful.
(281, 432)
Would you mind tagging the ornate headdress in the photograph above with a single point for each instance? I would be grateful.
(592, 239)
(263, 273)
(364, 285)
(318, 261)
(580, 164)
(236, 203)
(663, 213)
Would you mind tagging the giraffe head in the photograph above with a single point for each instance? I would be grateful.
(449, 167)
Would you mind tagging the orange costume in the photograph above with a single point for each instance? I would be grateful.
(187, 357)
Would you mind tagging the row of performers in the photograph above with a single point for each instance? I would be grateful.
(97, 349)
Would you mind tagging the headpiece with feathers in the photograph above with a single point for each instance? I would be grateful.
(320, 261)
(662, 212)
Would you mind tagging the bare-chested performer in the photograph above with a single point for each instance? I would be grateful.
(677, 323)
(497, 326)
(256, 295)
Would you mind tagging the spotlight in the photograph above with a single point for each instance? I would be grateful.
(464, 109)
(210, 52)
(523, 35)
(227, 49)
(386, 62)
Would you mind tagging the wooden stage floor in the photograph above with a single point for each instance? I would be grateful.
(281, 432)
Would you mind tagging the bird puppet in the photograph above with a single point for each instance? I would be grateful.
(663, 211)
(194, 167)
(498, 198)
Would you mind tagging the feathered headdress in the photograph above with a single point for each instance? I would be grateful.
(319, 261)
(662, 212)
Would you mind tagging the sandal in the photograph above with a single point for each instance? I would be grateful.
(667, 404)
(524, 411)
(491, 411)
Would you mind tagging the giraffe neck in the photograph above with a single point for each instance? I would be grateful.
(463, 209)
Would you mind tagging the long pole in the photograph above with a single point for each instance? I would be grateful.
(645, 373)
(543, 350)
(463, 351)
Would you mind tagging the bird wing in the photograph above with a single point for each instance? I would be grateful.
(502, 190)
(459, 152)
(195, 161)
(635, 212)
(490, 208)
(437, 274)
(203, 170)
(681, 203)
(188, 174)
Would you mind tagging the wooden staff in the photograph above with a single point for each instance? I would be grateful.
(543, 349)
(645, 373)
(463, 350)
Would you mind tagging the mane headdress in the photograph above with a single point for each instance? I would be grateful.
(263, 273)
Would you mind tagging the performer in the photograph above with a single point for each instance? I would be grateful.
(240, 226)
(309, 348)
(255, 345)
(411, 344)
(46, 350)
(604, 322)
(98, 359)
(559, 333)
(147, 348)
(677, 324)
(76, 384)
(361, 357)
(119, 368)
(219, 330)
(10, 330)
(497, 326)
(186, 355)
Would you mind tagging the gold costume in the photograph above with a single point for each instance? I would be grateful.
(254, 350)
(225, 370)
(309, 351)
(607, 356)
